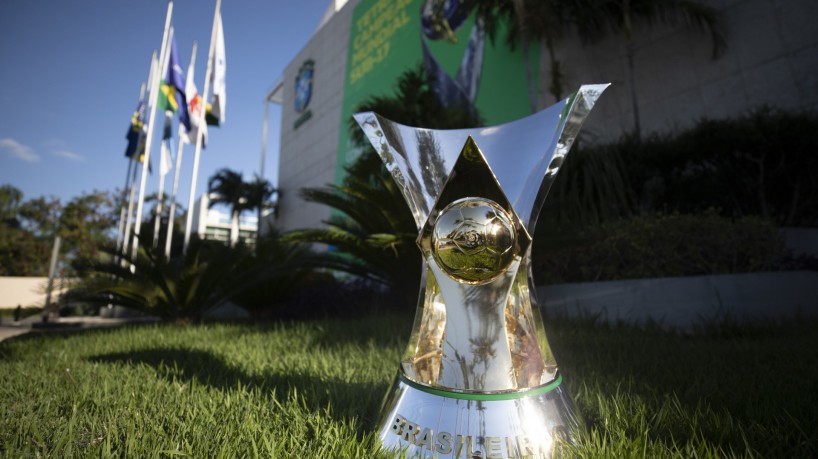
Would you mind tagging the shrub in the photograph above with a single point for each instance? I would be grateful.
(663, 246)
(322, 294)
(764, 163)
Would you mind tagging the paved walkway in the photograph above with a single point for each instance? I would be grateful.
(9, 328)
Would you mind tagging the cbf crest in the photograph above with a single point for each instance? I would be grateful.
(303, 86)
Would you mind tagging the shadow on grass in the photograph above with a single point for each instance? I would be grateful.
(734, 385)
(348, 399)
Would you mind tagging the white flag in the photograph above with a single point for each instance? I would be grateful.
(194, 107)
(165, 162)
(219, 66)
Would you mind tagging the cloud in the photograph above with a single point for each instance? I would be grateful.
(59, 148)
(18, 150)
(68, 154)
(55, 143)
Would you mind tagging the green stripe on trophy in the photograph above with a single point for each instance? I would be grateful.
(483, 397)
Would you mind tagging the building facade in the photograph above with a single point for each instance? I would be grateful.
(362, 46)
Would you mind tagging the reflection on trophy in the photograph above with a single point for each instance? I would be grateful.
(478, 378)
(439, 19)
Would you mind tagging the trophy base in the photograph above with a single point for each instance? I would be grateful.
(424, 422)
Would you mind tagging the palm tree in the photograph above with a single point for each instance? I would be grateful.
(228, 187)
(258, 194)
(182, 288)
(372, 232)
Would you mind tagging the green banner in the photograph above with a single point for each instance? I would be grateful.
(387, 38)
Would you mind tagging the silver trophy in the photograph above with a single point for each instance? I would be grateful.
(478, 378)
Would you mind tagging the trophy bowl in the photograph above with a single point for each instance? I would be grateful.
(478, 378)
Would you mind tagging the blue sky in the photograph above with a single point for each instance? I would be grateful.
(70, 78)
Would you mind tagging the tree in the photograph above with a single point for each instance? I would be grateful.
(228, 187)
(41, 216)
(85, 224)
(26, 231)
(258, 194)
(10, 199)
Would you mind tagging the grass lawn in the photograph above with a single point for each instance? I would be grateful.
(312, 390)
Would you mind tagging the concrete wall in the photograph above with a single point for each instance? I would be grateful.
(771, 58)
(308, 153)
(25, 291)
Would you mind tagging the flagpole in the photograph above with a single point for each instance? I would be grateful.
(179, 150)
(159, 193)
(259, 224)
(200, 130)
(122, 206)
(126, 238)
(149, 138)
(162, 173)
(127, 190)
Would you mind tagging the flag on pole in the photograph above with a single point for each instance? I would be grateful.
(194, 109)
(136, 141)
(215, 109)
(171, 93)
(165, 161)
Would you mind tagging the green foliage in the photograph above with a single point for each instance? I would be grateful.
(372, 234)
(28, 229)
(591, 188)
(228, 187)
(182, 288)
(189, 285)
(761, 164)
(84, 224)
(285, 268)
(764, 163)
(22, 253)
(414, 103)
(10, 199)
(661, 246)
(313, 390)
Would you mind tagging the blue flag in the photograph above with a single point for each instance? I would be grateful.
(172, 92)
(136, 141)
